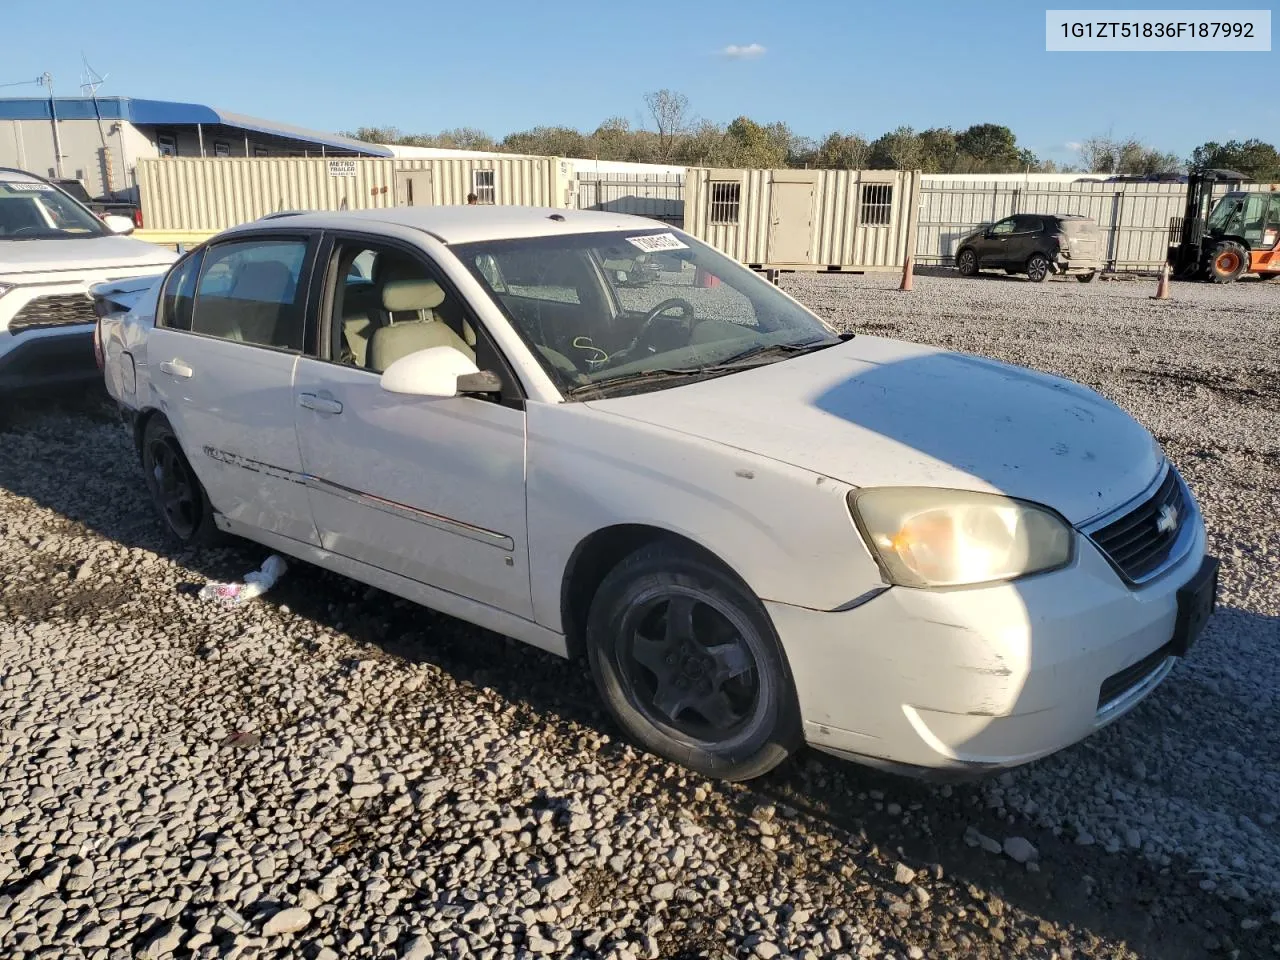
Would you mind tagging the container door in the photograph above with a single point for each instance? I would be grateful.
(413, 188)
(791, 223)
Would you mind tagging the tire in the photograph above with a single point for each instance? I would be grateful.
(1227, 261)
(732, 715)
(1037, 268)
(179, 497)
(967, 263)
(1086, 277)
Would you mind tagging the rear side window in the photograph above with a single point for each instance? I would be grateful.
(178, 298)
(249, 291)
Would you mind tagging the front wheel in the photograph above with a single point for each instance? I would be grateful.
(1227, 261)
(967, 263)
(1038, 268)
(179, 496)
(688, 663)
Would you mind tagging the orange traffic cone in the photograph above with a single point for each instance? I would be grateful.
(1162, 289)
(908, 268)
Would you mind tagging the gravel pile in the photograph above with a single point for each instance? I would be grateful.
(329, 772)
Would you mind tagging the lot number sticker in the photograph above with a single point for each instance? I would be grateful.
(18, 185)
(657, 241)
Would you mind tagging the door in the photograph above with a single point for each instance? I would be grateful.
(221, 359)
(993, 249)
(413, 188)
(1027, 238)
(432, 489)
(791, 222)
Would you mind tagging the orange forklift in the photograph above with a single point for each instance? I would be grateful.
(1241, 235)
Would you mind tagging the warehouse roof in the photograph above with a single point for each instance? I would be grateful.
(171, 113)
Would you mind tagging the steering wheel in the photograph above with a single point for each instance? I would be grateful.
(650, 318)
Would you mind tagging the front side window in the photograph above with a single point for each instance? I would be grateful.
(387, 304)
(249, 291)
(177, 300)
(633, 310)
(1255, 217)
(1004, 227)
(30, 209)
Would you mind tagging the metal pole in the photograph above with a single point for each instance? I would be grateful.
(200, 137)
(246, 144)
(47, 79)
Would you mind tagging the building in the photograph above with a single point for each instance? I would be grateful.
(100, 140)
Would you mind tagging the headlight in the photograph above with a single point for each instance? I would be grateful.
(930, 537)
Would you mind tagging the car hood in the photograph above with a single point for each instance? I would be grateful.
(18, 258)
(875, 411)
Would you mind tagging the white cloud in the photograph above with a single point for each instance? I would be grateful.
(748, 52)
(1073, 145)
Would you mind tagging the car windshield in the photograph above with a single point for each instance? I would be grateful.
(639, 309)
(31, 210)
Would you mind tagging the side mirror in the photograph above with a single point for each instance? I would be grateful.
(118, 224)
(438, 372)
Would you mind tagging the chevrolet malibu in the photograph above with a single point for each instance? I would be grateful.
(758, 532)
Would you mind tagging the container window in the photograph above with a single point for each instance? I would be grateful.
(167, 145)
(482, 185)
(261, 152)
(877, 204)
(726, 200)
(221, 148)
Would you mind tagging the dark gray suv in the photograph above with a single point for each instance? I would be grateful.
(1036, 244)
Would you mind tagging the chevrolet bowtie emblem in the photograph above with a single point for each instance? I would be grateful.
(1167, 521)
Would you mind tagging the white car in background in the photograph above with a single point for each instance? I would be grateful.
(52, 250)
(759, 532)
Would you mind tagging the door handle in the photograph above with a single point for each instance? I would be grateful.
(176, 368)
(319, 404)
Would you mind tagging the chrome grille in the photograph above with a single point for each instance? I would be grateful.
(1139, 542)
(57, 311)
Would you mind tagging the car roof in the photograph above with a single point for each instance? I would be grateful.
(19, 176)
(464, 224)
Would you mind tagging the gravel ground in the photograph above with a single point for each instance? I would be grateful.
(330, 772)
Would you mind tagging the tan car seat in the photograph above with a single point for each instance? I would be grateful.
(399, 338)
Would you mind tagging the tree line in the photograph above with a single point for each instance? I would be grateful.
(673, 134)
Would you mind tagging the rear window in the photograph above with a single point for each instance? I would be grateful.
(1078, 227)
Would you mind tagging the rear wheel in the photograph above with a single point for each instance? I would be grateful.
(1086, 277)
(967, 263)
(1037, 268)
(179, 497)
(688, 663)
(1227, 261)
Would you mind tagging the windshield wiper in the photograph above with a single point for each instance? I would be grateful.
(767, 352)
(640, 376)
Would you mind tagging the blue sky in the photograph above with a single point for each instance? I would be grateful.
(500, 65)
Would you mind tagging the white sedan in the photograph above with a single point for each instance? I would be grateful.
(598, 435)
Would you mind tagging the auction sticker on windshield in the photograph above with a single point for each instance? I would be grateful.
(657, 241)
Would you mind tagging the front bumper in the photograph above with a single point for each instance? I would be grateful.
(981, 679)
(41, 359)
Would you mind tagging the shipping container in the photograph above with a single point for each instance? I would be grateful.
(838, 220)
